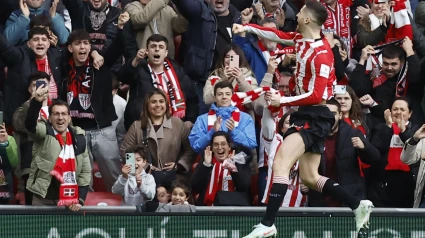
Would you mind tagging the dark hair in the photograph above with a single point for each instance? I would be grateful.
(282, 121)
(222, 84)
(392, 52)
(36, 76)
(157, 38)
(137, 149)
(403, 98)
(40, 20)
(57, 103)
(183, 184)
(37, 31)
(78, 34)
(115, 83)
(222, 133)
(243, 63)
(343, 46)
(334, 102)
(145, 117)
(356, 112)
(317, 10)
(267, 20)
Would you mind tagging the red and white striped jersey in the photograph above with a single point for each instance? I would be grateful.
(314, 74)
(293, 196)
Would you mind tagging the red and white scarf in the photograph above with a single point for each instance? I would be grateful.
(168, 82)
(374, 67)
(394, 154)
(242, 98)
(400, 26)
(212, 117)
(338, 22)
(43, 66)
(64, 171)
(220, 180)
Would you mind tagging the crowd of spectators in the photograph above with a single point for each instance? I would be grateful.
(86, 84)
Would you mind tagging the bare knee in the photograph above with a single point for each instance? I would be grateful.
(309, 179)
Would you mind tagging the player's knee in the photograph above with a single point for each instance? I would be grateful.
(309, 180)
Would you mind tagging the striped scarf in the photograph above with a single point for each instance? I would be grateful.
(400, 26)
(64, 171)
(170, 84)
(394, 153)
(338, 22)
(220, 180)
(374, 67)
(242, 98)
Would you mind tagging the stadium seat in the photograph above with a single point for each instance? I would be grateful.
(103, 199)
(98, 183)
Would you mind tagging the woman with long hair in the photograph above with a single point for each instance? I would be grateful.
(242, 77)
(166, 136)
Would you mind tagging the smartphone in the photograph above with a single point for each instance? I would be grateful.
(39, 84)
(130, 160)
(339, 89)
(1, 117)
(234, 61)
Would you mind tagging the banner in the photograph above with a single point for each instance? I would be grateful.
(122, 226)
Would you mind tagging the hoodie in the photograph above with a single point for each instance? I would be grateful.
(133, 195)
(243, 134)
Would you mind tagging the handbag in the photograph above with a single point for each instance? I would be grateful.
(164, 178)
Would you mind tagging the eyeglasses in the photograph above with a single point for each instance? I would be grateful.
(57, 114)
(222, 144)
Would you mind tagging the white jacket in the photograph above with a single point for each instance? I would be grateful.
(133, 195)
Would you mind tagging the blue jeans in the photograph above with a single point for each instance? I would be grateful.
(102, 146)
(199, 88)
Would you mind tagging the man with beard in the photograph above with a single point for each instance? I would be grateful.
(209, 29)
(396, 78)
(344, 146)
(100, 20)
(314, 78)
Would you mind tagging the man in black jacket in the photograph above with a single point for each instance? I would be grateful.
(340, 162)
(158, 71)
(100, 20)
(36, 55)
(88, 92)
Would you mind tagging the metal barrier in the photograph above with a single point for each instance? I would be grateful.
(208, 222)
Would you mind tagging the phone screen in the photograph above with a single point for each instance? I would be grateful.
(339, 89)
(130, 160)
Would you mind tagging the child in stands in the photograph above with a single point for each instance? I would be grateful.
(136, 188)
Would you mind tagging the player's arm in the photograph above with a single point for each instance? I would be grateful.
(286, 38)
(321, 71)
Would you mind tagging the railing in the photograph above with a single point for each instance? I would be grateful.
(208, 222)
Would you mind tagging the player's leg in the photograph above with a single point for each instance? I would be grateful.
(309, 164)
(291, 148)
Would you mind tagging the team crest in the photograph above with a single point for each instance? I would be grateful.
(84, 100)
(70, 97)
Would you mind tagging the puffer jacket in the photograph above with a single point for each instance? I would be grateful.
(46, 150)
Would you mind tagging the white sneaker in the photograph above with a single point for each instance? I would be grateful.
(262, 231)
(362, 214)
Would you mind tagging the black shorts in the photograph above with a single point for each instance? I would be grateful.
(314, 123)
